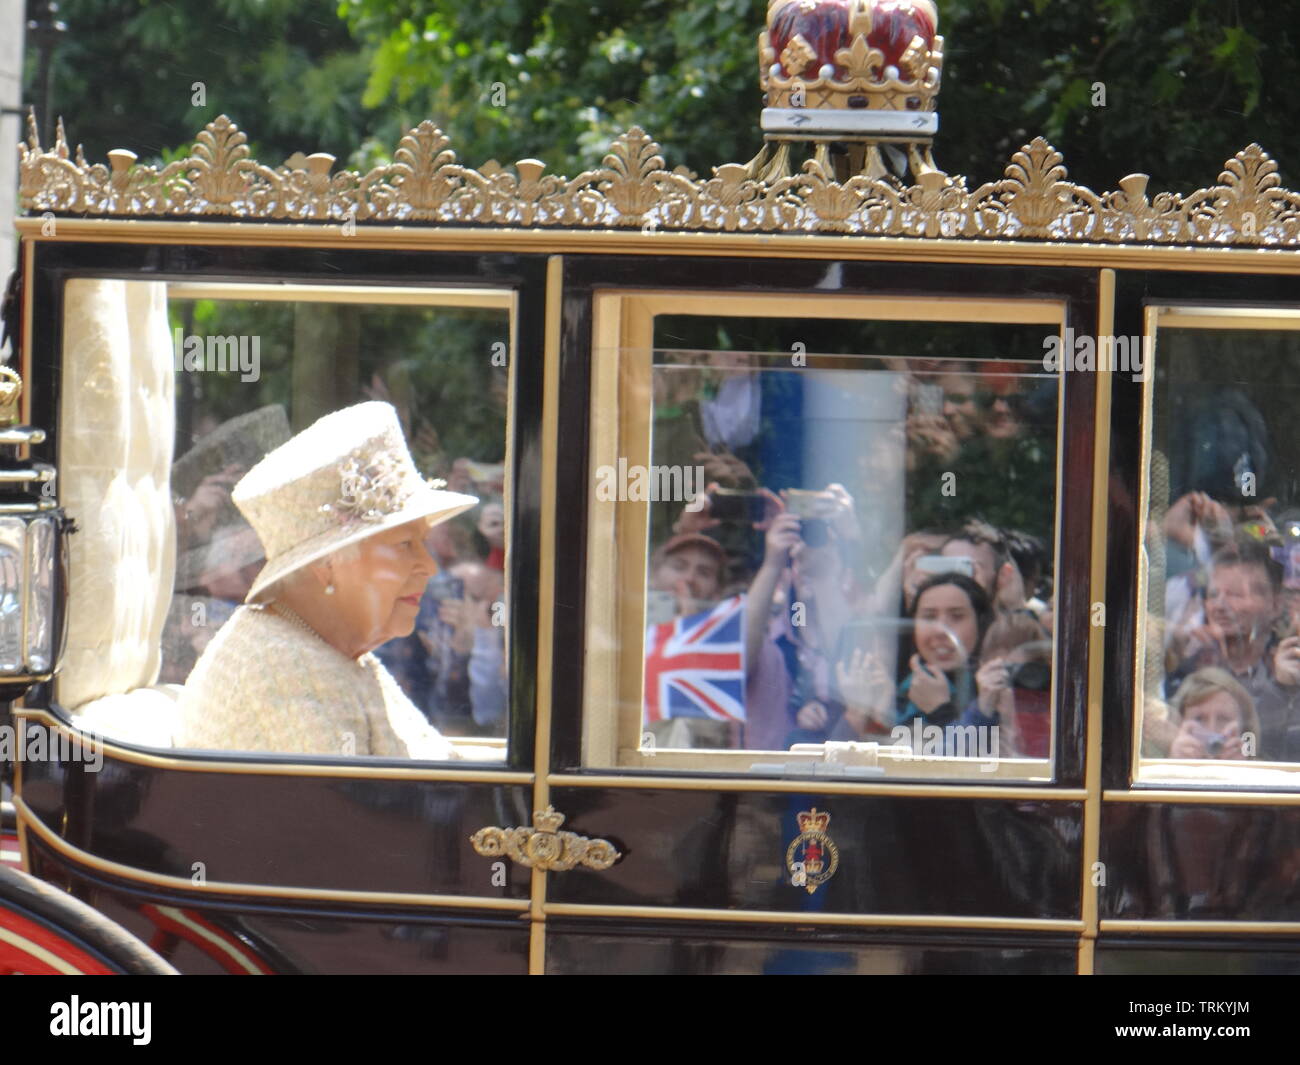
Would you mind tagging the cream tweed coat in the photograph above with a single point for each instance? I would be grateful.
(264, 684)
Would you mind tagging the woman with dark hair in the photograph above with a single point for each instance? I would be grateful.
(949, 617)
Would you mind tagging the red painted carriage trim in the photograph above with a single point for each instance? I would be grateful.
(231, 953)
(37, 950)
(11, 851)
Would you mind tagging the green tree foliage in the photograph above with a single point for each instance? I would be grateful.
(574, 74)
(123, 74)
(421, 359)
(1186, 84)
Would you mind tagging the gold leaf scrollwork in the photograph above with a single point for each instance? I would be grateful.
(11, 391)
(222, 165)
(424, 175)
(833, 204)
(1033, 187)
(532, 198)
(936, 206)
(731, 200)
(1033, 199)
(1130, 200)
(1245, 201)
(629, 180)
(544, 846)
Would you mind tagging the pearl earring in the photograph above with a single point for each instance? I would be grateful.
(329, 589)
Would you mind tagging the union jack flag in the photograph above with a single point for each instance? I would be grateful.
(695, 666)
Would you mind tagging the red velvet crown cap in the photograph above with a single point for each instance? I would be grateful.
(825, 25)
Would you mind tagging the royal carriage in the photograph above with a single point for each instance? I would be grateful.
(807, 314)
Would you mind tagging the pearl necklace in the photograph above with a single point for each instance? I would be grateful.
(280, 610)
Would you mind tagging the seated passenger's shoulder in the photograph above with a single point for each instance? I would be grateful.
(264, 685)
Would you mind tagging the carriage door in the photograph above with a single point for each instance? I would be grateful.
(161, 391)
(1201, 819)
(821, 709)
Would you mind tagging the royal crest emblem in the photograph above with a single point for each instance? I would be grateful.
(812, 856)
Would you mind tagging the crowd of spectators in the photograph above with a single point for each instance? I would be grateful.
(952, 633)
(956, 630)
(454, 665)
(1227, 683)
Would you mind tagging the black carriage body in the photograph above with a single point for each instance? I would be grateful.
(243, 863)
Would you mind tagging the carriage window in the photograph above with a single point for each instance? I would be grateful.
(835, 553)
(1219, 656)
(219, 376)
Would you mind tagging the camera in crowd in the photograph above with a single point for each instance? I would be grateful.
(933, 565)
(739, 505)
(1030, 676)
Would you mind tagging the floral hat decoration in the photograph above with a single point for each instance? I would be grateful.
(344, 478)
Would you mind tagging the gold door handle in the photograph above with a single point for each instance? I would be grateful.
(544, 846)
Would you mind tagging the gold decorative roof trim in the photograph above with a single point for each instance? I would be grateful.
(633, 189)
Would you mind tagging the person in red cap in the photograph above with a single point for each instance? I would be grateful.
(691, 567)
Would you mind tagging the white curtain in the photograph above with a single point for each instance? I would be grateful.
(117, 425)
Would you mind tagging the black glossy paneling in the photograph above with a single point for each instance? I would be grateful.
(288, 938)
(283, 831)
(56, 263)
(1203, 862)
(717, 950)
(898, 855)
(1252, 955)
(586, 274)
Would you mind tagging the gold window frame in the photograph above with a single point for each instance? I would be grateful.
(1181, 771)
(483, 749)
(621, 407)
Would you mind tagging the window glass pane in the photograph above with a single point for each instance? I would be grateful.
(248, 373)
(1219, 670)
(849, 555)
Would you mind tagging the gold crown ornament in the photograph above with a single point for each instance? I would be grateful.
(859, 71)
(813, 820)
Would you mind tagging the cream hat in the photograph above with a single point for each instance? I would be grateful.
(342, 479)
